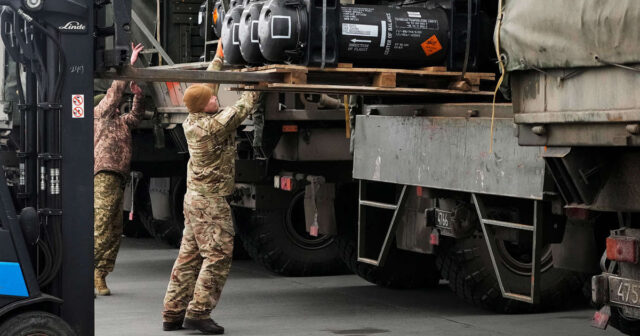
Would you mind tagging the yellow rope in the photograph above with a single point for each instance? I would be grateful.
(502, 71)
(346, 116)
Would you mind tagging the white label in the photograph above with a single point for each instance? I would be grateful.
(383, 37)
(353, 29)
(414, 15)
(281, 18)
(77, 106)
(73, 26)
(235, 31)
(254, 31)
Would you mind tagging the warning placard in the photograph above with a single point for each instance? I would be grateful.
(431, 46)
(77, 106)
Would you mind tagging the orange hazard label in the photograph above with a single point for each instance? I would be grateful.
(431, 46)
(215, 16)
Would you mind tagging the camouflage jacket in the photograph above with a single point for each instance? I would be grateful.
(112, 131)
(212, 148)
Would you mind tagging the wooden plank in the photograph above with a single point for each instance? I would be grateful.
(365, 90)
(434, 69)
(188, 76)
(345, 65)
(295, 77)
(430, 71)
(384, 79)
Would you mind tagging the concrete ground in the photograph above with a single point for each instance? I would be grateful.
(256, 302)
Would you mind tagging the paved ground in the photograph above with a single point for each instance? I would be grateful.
(256, 302)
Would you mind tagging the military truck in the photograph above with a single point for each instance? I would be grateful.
(494, 197)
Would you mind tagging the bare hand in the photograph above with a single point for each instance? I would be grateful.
(135, 89)
(135, 51)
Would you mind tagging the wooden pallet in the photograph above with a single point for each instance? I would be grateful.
(345, 79)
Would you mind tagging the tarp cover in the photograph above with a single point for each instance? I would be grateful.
(569, 33)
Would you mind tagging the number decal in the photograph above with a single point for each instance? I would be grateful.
(634, 294)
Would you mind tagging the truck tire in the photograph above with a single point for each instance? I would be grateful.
(35, 323)
(277, 240)
(401, 270)
(169, 230)
(467, 266)
(134, 228)
(623, 324)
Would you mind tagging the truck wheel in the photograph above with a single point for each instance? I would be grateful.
(625, 325)
(401, 270)
(168, 230)
(467, 266)
(134, 228)
(35, 323)
(278, 240)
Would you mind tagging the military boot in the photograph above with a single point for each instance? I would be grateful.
(172, 326)
(100, 283)
(207, 326)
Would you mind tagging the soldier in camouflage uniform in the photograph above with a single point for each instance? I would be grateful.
(112, 157)
(203, 263)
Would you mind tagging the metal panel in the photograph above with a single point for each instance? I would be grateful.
(588, 92)
(12, 282)
(315, 144)
(582, 107)
(447, 153)
(412, 233)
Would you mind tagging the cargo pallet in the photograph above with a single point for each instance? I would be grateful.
(346, 79)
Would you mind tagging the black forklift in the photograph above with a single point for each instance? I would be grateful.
(46, 175)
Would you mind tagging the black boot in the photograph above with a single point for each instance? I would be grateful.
(172, 326)
(207, 326)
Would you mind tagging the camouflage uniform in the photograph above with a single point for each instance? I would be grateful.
(108, 193)
(112, 157)
(202, 266)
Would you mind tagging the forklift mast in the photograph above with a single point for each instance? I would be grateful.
(46, 253)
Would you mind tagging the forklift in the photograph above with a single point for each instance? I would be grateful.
(46, 206)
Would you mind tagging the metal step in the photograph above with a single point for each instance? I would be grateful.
(390, 234)
(488, 227)
(368, 261)
(510, 225)
(379, 205)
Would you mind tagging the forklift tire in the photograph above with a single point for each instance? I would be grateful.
(35, 323)
(466, 264)
(401, 270)
(267, 241)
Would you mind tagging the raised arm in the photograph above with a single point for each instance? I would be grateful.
(108, 104)
(231, 117)
(137, 110)
(216, 65)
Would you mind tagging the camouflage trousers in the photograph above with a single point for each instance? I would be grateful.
(204, 260)
(108, 188)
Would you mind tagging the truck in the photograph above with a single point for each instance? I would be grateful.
(386, 146)
(492, 197)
